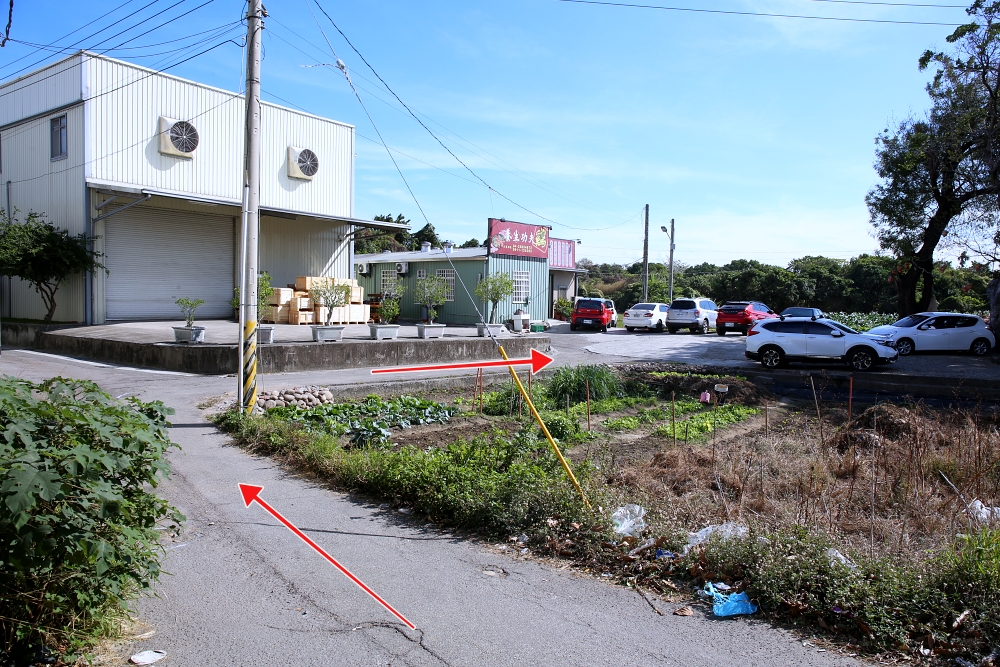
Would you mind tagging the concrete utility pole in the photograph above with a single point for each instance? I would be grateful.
(251, 206)
(645, 260)
(671, 290)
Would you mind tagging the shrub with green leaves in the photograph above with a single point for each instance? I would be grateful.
(560, 425)
(78, 525)
(572, 381)
(863, 321)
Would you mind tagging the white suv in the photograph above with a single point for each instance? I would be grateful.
(698, 315)
(775, 342)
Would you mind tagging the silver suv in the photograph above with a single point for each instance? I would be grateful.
(696, 314)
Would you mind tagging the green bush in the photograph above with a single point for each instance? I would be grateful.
(78, 535)
(561, 426)
(498, 484)
(863, 321)
(572, 381)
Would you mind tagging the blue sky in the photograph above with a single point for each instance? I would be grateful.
(755, 134)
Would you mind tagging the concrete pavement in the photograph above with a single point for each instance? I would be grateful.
(242, 590)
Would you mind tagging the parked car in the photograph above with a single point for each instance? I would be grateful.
(610, 305)
(796, 311)
(591, 313)
(776, 342)
(646, 316)
(939, 331)
(740, 316)
(698, 315)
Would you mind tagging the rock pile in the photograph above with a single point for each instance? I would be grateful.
(303, 397)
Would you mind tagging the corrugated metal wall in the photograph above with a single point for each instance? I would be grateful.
(303, 247)
(55, 86)
(538, 288)
(39, 184)
(460, 311)
(124, 122)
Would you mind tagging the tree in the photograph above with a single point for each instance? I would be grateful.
(431, 292)
(471, 243)
(44, 256)
(494, 289)
(425, 234)
(372, 241)
(946, 165)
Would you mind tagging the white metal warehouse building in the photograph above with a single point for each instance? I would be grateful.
(152, 165)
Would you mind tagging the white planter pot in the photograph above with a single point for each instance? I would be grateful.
(265, 335)
(384, 331)
(430, 330)
(189, 334)
(495, 329)
(327, 334)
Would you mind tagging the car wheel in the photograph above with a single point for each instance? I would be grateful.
(659, 326)
(704, 327)
(721, 332)
(604, 329)
(772, 357)
(904, 346)
(672, 330)
(861, 359)
(980, 346)
(743, 332)
(572, 327)
(629, 328)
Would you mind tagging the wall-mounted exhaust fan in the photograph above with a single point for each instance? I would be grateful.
(177, 137)
(302, 163)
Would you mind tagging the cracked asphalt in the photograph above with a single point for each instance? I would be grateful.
(242, 590)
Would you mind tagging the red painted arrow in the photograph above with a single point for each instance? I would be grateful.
(252, 493)
(537, 361)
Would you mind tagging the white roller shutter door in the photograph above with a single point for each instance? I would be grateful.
(156, 256)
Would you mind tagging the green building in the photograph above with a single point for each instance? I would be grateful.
(462, 269)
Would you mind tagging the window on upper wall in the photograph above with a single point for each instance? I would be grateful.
(388, 282)
(448, 276)
(421, 273)
(522, 286)
(59, 139)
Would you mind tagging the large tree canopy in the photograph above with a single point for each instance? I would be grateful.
(939, 168)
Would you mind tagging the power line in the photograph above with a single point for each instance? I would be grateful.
(217, 31)
(737, 13)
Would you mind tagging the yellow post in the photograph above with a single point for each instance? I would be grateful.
(545, 430)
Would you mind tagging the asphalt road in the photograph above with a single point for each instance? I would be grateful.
(242, 590)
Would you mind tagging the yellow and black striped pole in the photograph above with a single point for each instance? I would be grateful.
(249, 366)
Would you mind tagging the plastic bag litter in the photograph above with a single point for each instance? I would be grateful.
(147, 657)
(627, 520)
(724, 530)
(663, 553)
(984, 513)
(730, 605)
(837, 557)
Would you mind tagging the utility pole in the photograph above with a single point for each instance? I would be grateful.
(671, 290)
(645, 259)
(251, 211)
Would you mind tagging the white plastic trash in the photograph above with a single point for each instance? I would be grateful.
(837, 557)
(627, 520)
(984, 513)
(147, 657)
(724, 530)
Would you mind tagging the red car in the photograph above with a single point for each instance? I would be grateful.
(591, 313)
(740, 316)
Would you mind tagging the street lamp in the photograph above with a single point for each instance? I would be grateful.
(671, 233)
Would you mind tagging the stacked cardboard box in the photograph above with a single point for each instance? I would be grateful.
(355, 312)
(280, 306)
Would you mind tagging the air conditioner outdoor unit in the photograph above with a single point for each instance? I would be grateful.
(402, 268)
(361, 267)
(302, 163)
(178, 138)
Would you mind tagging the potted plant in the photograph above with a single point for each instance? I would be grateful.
(388, 311)
(189, 333)
(563, 309)
(265, 334)
(492, 290)
(329, 295)
(431, 292)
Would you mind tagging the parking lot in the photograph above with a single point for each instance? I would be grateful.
(619, 345)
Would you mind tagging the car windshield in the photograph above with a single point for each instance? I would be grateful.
(910, 321)
(589, 304)
(643, 306)
(842, 327)
(683, 304)
(736, 305)
(798, 312)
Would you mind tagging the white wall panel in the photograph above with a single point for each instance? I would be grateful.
(303, 247)
(54, 86)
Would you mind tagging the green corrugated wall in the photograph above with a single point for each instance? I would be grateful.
(538, 288)
(460, 311)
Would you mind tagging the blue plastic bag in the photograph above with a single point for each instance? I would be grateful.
(730, 605)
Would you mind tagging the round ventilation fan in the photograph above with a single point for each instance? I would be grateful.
(183, 136)
(308, 162)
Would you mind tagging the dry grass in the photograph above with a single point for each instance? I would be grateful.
(876, 484)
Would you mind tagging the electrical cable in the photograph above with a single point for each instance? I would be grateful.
(217, 32)
(738, 13)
